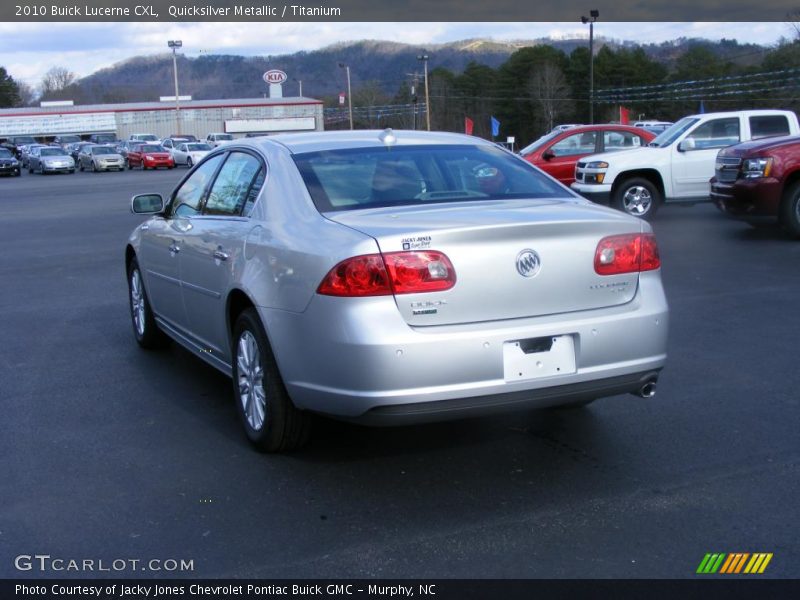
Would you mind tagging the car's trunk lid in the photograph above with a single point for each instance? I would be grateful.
(486, 240)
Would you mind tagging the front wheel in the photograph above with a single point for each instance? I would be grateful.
(270, 419)
(790, 210)
(145, 329)
(638, 197)
(189, 162)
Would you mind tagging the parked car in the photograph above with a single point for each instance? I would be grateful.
(65, 140)
(9, 165)
(149, 156)
(50, 159)
(100, 158)
(346, 273)
(186, 136)
(215, 139)
(75, 149)
(17, 142)
(190, 153)
(759, 182)
(678, 164)
(124, 147)
(654, 126)
(25, 151)
(169, 143)
(103, 138)
(143, 137)
(557, 152)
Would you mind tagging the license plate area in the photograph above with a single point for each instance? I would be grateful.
(534, 358)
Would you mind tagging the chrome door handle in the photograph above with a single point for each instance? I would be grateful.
(174, 248)
(220, 255)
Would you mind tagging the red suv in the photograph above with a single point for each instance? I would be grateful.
(558, 151)
(149, 156)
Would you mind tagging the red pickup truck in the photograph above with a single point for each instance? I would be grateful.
(759, 181)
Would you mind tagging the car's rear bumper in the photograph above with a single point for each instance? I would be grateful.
(358, 359)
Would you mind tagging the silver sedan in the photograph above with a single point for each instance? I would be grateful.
(190, 153)
(394, 277)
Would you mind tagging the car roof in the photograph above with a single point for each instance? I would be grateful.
(361, 138)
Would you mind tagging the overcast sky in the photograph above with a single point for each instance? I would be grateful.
(28, 50)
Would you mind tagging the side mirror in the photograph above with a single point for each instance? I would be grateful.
(548, 155)
(687, 144)
(147, 204)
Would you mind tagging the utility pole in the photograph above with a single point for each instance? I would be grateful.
(424, 59)
(175, 44)
(414, 82)
(349, 95)
(593, 14)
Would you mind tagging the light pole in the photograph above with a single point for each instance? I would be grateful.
(349, 95)
(175, 44)
(593, 14)
(424, 59)
(300, 84)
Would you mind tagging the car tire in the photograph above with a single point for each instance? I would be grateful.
(127, 164)
(638, 197)
(94, 167)
(145, 328)
(189, 162)
(30, 170)
(790, 210)
(270, 419)
(18, 172)
(80, 166)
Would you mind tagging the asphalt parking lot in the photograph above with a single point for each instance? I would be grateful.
(110, 452)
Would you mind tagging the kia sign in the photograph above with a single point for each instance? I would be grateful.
(274, 77)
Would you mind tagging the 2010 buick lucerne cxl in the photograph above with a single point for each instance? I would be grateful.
(394, 277)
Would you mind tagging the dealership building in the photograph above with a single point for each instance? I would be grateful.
(239, 117)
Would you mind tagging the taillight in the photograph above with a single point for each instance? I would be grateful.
(390, 273)
(626, 253)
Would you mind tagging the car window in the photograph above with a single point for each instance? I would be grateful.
(51, 152)
(150, 148)
(102, 150)
(768, 126)
(356, 178)
(576, 144)
(5, 153)
(186, 201)
(620, 140)
(229, 193)
(717, 133)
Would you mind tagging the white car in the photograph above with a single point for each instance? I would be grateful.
(215, 139)
(190, 153)
(676, 166)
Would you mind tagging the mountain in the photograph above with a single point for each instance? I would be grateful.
(386, 64)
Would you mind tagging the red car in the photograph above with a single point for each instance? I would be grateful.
(558, 151)
(149, 156)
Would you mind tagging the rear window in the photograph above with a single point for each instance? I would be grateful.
(768, 126)
(399, 176)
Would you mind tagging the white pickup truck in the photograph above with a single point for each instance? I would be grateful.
(678, 164)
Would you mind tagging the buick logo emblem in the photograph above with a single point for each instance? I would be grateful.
(528, 263)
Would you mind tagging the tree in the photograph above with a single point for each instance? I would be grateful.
(56, 81)
(26, 94)
(548, 87)
(9, 90)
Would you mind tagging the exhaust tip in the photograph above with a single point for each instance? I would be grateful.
(648, 390)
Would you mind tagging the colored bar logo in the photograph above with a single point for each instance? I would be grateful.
(735, 563)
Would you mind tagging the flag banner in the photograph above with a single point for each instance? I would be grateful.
(624, 116)
(468, 124)
(495, 127)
